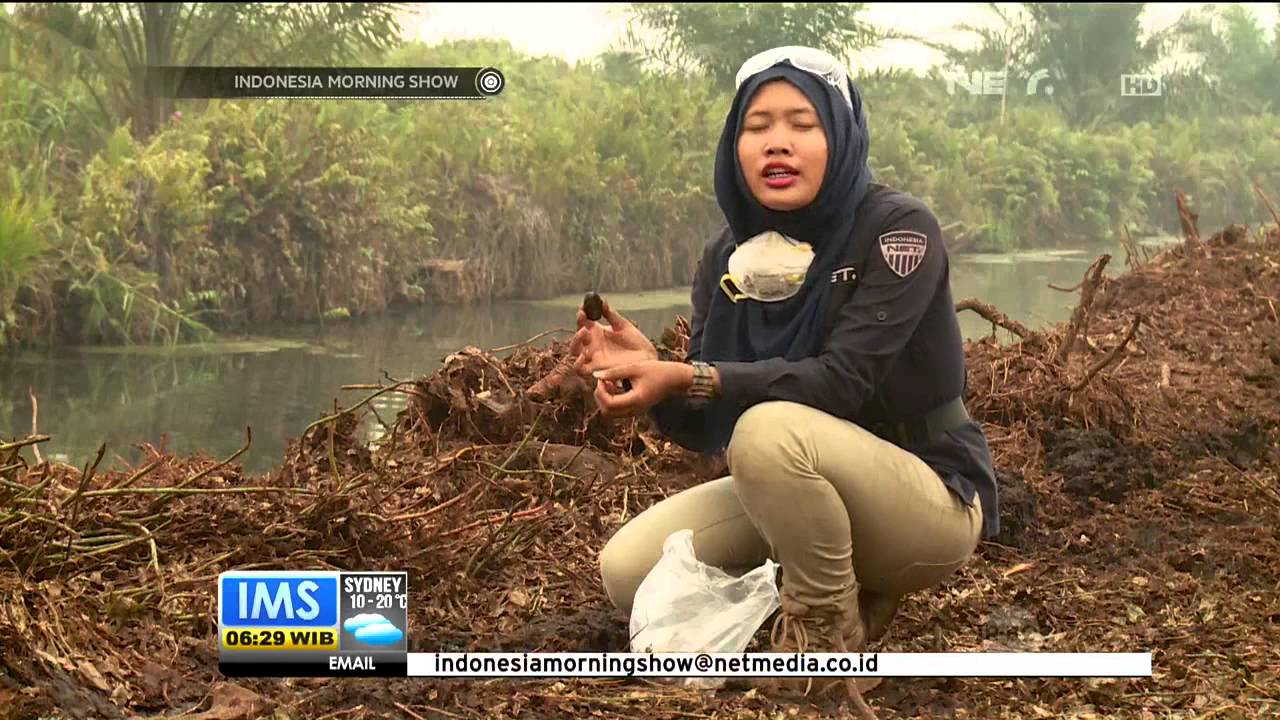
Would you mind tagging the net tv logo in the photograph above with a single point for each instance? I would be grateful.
(1141, 85)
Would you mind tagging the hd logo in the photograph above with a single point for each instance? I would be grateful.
(290, 623)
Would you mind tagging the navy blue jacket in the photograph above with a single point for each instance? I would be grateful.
(893, 349)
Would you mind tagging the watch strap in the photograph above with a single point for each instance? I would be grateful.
(703, 388)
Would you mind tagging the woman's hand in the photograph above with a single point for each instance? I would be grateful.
(651, 382)
(599, 347)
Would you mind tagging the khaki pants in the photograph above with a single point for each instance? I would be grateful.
(836, 506)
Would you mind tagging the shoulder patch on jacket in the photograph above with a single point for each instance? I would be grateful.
(903, 250)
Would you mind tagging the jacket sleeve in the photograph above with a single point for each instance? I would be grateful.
(870, 331)
(682, 424)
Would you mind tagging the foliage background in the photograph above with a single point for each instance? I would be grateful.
(123, 221)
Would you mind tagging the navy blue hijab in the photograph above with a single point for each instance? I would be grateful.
(750, 330)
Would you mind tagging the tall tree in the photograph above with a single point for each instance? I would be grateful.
(1084, 47)
(1232, 66)
(108, 46)
(1087, 48)
(714, 39)
(1004, 37)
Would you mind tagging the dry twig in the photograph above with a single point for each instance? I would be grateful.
(35, 414)
(996, 318)
(1109, 357)
(1188, 220)
(530, 341)
(1079, 318)
(1258, 190)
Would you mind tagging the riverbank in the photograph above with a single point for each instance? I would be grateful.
(1137, 444)
(274, 380)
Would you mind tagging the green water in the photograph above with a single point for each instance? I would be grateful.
(203, 397)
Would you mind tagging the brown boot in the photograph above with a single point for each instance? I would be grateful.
(878, 611)
(834, 628)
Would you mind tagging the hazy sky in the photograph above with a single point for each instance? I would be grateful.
(577, 31)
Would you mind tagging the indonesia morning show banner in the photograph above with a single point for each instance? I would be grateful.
(313, 624)
(459, 83)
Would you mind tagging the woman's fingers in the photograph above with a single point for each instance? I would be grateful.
(617, 373)
(581, 340)
(613, 395)
(616, 321)
(582, 366)
(609, 403)
(604, 400)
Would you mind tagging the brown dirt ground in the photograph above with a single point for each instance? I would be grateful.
(1140, 512)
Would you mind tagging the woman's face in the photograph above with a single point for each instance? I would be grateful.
(782, 148)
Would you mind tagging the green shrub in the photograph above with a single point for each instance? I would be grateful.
(20, 244)
(575, 177)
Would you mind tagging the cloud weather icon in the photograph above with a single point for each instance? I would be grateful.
(373, 629)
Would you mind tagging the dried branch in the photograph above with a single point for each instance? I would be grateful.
(248, 431)
(335, 416)
(1188, 220)
(995, 317)
(530, 341)
(434, 509)
(74, 502)
(35, 414)
(173, 491)
(143, 472)
(1089, 288)
(1073, 288)
(1133, 257)
(405, 390)
(17, 444)
(1256, 189)
(498, 519)
(86, 476)
(1109, 357)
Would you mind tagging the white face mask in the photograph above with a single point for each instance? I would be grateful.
(769, 267)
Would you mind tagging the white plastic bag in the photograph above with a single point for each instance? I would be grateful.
(684, 605)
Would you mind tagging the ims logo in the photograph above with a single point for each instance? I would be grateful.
(312, 623)
(279, 600)
(278, 611)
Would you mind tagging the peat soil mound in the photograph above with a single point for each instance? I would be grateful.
(1137, 448)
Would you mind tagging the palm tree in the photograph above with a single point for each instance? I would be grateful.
(107, 47)
(1231, 65)
(1083, 47)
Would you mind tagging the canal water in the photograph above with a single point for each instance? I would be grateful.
(203, 397)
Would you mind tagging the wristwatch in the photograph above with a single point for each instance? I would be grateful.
(702, 390)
